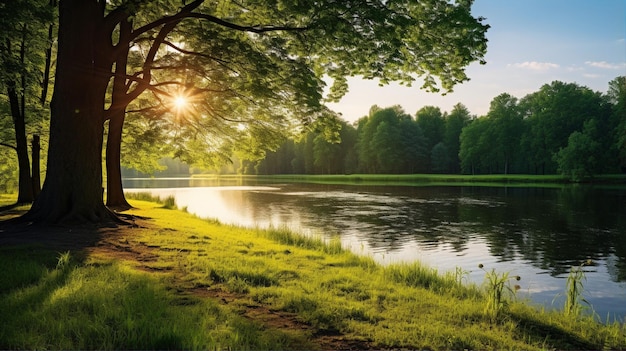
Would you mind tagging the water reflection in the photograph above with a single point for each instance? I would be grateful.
(538, 233)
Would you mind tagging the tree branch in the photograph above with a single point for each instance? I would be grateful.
(9, 146)
(167, 19)
(253, 29)
(185, 13)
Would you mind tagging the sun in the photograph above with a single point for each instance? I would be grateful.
(180, 102)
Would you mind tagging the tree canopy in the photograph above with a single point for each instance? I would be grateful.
(252, 70)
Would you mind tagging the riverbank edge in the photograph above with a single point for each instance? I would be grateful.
(350, 306)
(512, 180)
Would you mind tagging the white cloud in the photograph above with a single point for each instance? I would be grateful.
(574, 68)
(605, 65)
(592, 76)
(535, 66)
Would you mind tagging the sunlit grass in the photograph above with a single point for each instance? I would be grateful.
(402, 305)
(63, 302)
(8, 199)
(108, 305)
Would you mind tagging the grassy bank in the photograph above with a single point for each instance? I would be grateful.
(427, 179)
(176, 281)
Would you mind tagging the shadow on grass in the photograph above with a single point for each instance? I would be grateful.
(8, 207)
(51, 301)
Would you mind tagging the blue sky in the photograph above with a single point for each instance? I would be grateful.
(531, 43)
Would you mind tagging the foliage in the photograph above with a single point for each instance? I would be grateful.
(580, 158)
(23, 84)
(511, 138)
(617, 98)
(247, 65)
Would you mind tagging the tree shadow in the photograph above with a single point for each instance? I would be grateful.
(49, 300)
(540, 332)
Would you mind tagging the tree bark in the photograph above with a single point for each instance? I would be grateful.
(115, 192)
(117, 113)
(35, 174)
(46, 75)
(25, 190)
(72, 190)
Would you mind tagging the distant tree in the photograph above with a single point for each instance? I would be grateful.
(581, 157)
(475, 147)
(440, 158)
(261, 61)
(386, 148)
(617, 98)
(348, 135)
(552, 114)
(458, 119)
(378, 144)
(326, 155)
(412, 147)
(506, 126)
(432, 124)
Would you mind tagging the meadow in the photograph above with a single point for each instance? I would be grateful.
(174, 281)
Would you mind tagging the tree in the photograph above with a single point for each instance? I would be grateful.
(22, 54)
(260, 59)
(580, 158)
(458, 119)
(430, 120)
(553, 113)
(617, 97)
(378, 141)
(506, 122)
(475, 146)
(412, 147)
(439, 157)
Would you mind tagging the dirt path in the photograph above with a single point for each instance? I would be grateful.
(109, 242)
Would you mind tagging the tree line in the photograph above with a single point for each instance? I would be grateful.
(563, 128)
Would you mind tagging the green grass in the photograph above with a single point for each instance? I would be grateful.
(158, 300)
(8, 199)
(109, 305)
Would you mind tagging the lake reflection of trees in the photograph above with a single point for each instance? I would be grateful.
(553, 228)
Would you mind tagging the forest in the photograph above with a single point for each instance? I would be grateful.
(563, 128)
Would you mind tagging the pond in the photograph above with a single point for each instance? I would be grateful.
(538, 233)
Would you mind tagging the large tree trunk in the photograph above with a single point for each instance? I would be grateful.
(72, 191)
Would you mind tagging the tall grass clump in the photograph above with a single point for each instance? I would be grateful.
(63, 261)
(288, 237)
(499, 291)
(168, 203)
(574, 299)
(416, 274)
